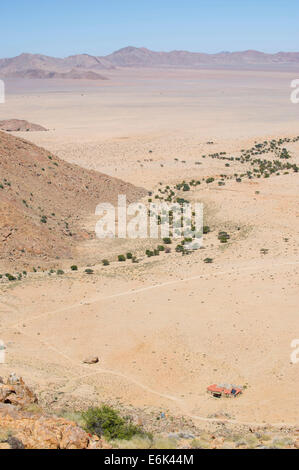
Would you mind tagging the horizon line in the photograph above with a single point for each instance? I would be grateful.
(155, 51)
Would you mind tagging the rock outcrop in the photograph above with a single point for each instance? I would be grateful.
(15, 392)
(29, 430)
(35, 431)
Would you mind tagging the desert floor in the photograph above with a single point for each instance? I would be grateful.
(168, 327)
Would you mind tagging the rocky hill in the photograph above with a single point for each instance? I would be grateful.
(44, 200)
(73, 74)
(20, 125)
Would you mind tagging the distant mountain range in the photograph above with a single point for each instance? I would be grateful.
(141, 57)
(84, 66)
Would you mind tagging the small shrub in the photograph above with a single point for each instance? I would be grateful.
(210, 180)
(59, 272)
(74, 268)
(89, 271)
(179, 249)
(129, 256)
(223, 237)
(105, 262)
(149, 253)
(208, 261)
(167, 241)
(121, 258)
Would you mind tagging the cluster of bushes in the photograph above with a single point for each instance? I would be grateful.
(155, 252)
(16, 277)
(58, 272)
(149, 253)
(123, 258)
(5, 183)
(261, 167)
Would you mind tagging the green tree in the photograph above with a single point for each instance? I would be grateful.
(107, 422)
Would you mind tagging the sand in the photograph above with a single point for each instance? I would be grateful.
(166, 328)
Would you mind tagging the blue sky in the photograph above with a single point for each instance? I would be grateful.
(98, 27)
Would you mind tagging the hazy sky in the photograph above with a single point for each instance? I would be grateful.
(98, 27)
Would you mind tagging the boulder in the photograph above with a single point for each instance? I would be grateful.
(74, 437)
(91, 360)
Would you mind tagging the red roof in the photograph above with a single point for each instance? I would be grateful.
(217, 389)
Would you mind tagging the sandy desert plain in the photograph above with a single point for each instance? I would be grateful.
(167, 327)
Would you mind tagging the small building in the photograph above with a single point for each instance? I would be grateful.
(224, 390)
